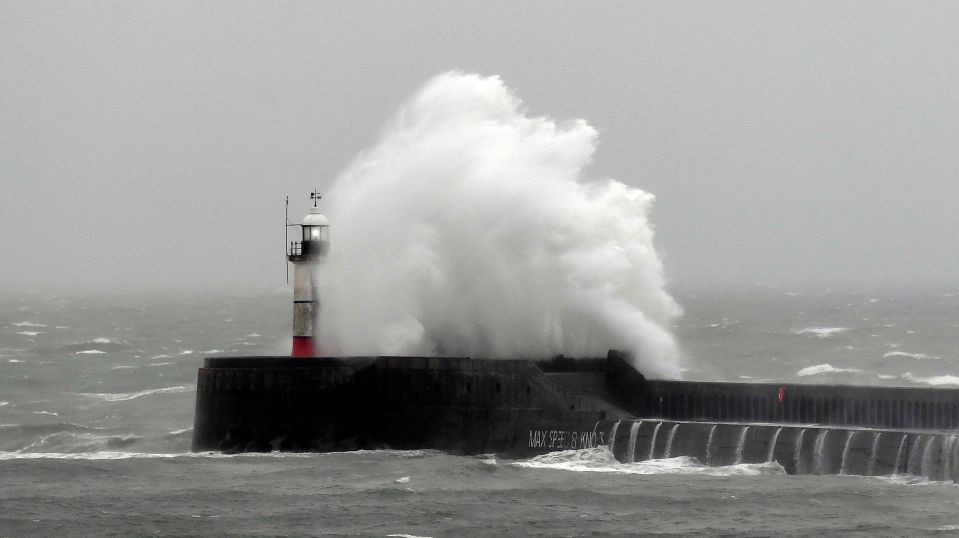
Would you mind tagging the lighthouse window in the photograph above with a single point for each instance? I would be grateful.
(315, 233)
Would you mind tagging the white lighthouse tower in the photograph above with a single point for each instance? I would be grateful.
(305, 256)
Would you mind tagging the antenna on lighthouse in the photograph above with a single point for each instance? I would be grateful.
(286, 239)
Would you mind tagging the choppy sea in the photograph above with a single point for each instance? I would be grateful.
(96, 408)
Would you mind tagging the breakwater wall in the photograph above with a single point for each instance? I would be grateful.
(799, 449)
(523, 408)
(829, 405)
(878, 407)
(246, 404)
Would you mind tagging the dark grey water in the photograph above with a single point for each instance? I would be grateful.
(96, 404)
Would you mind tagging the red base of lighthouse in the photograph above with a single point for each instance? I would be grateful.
(303, 347)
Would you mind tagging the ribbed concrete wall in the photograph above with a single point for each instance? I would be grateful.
(800, 450)
(879, 407)
(834, 405)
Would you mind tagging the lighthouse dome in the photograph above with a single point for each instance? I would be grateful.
(315, 218)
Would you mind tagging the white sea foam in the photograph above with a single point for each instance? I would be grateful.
(4, 403)
(903, 354)
(124, 396)
(601, 460)
(51, 413)
(120, 455)
(121, 367)
(27, 324)
(90, 352)
(471, 228)
(934, 381)
(212, 351)
(823, 332)
(183, 430)
(417, 453)
(29, 333)
(186, 352)
(100, 455)
(401, 535)
(95, 345)
(821, 369)
(79, 442)
(911, 480)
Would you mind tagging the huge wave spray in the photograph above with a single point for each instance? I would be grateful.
(470, 229)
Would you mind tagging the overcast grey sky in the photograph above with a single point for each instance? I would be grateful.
(151, 144)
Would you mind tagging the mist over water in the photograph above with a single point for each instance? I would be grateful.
(472, 228)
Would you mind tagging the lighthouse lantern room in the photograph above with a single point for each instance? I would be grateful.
(305, 255)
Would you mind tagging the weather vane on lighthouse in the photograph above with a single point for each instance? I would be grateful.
(305, 255)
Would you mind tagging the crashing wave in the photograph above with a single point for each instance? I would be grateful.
(97, 344)
(935, 381)
(121, 455)
(124, 396)
(553, 261)
(903, 354)
(820, 369)
(823, 332)
(27, 324)
(601, 460)
(71, 442)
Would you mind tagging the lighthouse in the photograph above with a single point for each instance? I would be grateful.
(305, 255)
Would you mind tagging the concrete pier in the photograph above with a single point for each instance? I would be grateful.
(523, 408)
(455, 404)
